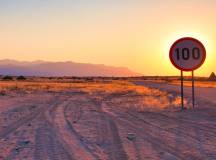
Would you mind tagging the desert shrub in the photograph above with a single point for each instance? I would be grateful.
(7, 78)
(116, 78)
(21, 78)
(89, 79)
(2, 93)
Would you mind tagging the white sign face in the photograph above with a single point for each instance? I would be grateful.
(187, 54)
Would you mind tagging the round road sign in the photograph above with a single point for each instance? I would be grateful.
(187, 54)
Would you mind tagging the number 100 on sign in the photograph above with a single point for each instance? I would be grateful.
(187, 54)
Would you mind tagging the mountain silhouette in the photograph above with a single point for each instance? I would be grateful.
(45, 68)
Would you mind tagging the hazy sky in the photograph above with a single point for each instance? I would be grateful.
(133, 33)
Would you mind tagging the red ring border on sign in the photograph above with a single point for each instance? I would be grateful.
(191, 39)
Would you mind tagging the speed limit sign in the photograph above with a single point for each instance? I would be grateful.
(187, 54)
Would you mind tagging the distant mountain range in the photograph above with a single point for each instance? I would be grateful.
(45, 68)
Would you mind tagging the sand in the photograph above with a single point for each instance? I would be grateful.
(117, 121)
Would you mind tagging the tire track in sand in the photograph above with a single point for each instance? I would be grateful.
(22, 121)
(67, 134)
(48, 146)
(108, 135)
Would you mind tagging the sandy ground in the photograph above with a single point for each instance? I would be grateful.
(206, 94)
(110, 123)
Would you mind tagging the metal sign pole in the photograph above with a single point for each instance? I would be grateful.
(182, 90)
(193, 96)
(187, 56)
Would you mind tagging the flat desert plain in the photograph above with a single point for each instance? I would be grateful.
(112, 120)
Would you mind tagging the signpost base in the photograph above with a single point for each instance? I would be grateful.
(182, 90)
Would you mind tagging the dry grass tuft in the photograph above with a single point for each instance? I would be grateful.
(123, 93)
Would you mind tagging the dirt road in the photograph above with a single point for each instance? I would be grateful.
(73, 125)
(202, 93)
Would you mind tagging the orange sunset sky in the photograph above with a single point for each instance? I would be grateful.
(132, 33)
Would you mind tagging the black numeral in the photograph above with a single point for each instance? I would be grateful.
(196, 53)
(178, 53)
(185, 53)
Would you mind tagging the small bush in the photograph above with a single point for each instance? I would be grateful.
(2, 93)
(7, 78)
(21, 78)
